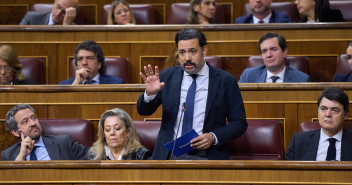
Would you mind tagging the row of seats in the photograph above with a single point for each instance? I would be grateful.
(263, 139)
(34, 68)
(146, 14)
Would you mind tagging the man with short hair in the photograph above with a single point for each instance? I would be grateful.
(89, 61)
(331, 142)
(274, 52)
(262, 13)
(210, 98)
(22, 122)
(63, 13)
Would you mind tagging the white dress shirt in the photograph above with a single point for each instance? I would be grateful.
(324, 145)
(280, 75)
(266, 19)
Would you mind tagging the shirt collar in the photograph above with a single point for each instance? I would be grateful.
(281, 74)
(40, 142)
(96, 79)
(266, 19)
(337, 136)
(109, 155)
(51, 21)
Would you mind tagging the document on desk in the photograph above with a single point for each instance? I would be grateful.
(183, 143)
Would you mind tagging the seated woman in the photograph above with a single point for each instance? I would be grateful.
(10, 67)
(120, 13)
(117, 138)
(345, 77)
(317, 11)
(201, 12)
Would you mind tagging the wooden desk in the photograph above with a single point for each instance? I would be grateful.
(176, 172)
(151, 44)
(291, 104)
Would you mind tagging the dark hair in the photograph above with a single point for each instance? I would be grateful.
(193, 15)
(321, 9)
(349, 44)
(92, 46)
(281, 40)
(10, 116)
(335, 94)
(191, 33)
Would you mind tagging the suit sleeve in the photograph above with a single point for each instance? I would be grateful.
(3, 158)
(25, 20)
(243, 77)
(290, 154)
(235, 113)
(79, 151)
(148, 108)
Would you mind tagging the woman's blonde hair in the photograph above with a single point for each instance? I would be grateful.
(172, 59)
(111, 19)
(8, 54)
(97, 151)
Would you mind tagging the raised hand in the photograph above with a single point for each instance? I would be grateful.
(26, 147)
(70, 16)
(81, 75)
(151, 80)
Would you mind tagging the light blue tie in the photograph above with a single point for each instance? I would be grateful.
(189, 109)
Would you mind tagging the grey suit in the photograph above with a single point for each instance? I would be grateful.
(258, 75)
(61, 147)
(304, 146)
(36, 18)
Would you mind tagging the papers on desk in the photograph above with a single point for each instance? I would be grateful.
(182, 143)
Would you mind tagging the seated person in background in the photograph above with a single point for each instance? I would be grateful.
(262, 13)
(274, 51)
(10, 67)
(172, 59)
(201, 12)
(89, 60)
(63, 13)
(331, 142)
(120, 13)
(345, 77)
(317, 11)
(117, 138)
(22, 122)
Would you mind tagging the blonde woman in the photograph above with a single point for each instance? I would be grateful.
(120, 13)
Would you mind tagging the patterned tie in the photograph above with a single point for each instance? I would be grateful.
(89, 82)
(189, 109)
(274, 78)
(331, 155)
(33, 157)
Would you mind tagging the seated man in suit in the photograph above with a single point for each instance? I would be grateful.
(89, 60)
(63, 13)
(22, 122)
(331, 142)
(262, 13)
(341, 77)
(274, 51)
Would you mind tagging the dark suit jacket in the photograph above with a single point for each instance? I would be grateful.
(224, 101)
(331, 16)
(104, 79)
(276, 17)
(61, 147)
(36, 18)
(258, 75)
(340, 77)
(304, 146)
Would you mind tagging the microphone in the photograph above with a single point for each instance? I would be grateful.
(178, 128)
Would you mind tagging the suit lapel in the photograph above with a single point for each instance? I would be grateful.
(52, 148)
(288, 75)
(346, 143)
(349, 77)
(312, 146)
(262, 76)
(214, 82)
(176, 82)
(17, 151)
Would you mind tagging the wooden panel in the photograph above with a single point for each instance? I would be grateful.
(17, 12)
(175, 172)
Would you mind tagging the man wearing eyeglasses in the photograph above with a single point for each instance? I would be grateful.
(63, 13)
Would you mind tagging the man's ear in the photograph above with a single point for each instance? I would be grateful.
(15, 132)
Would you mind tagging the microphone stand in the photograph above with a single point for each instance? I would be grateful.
(178, 128)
